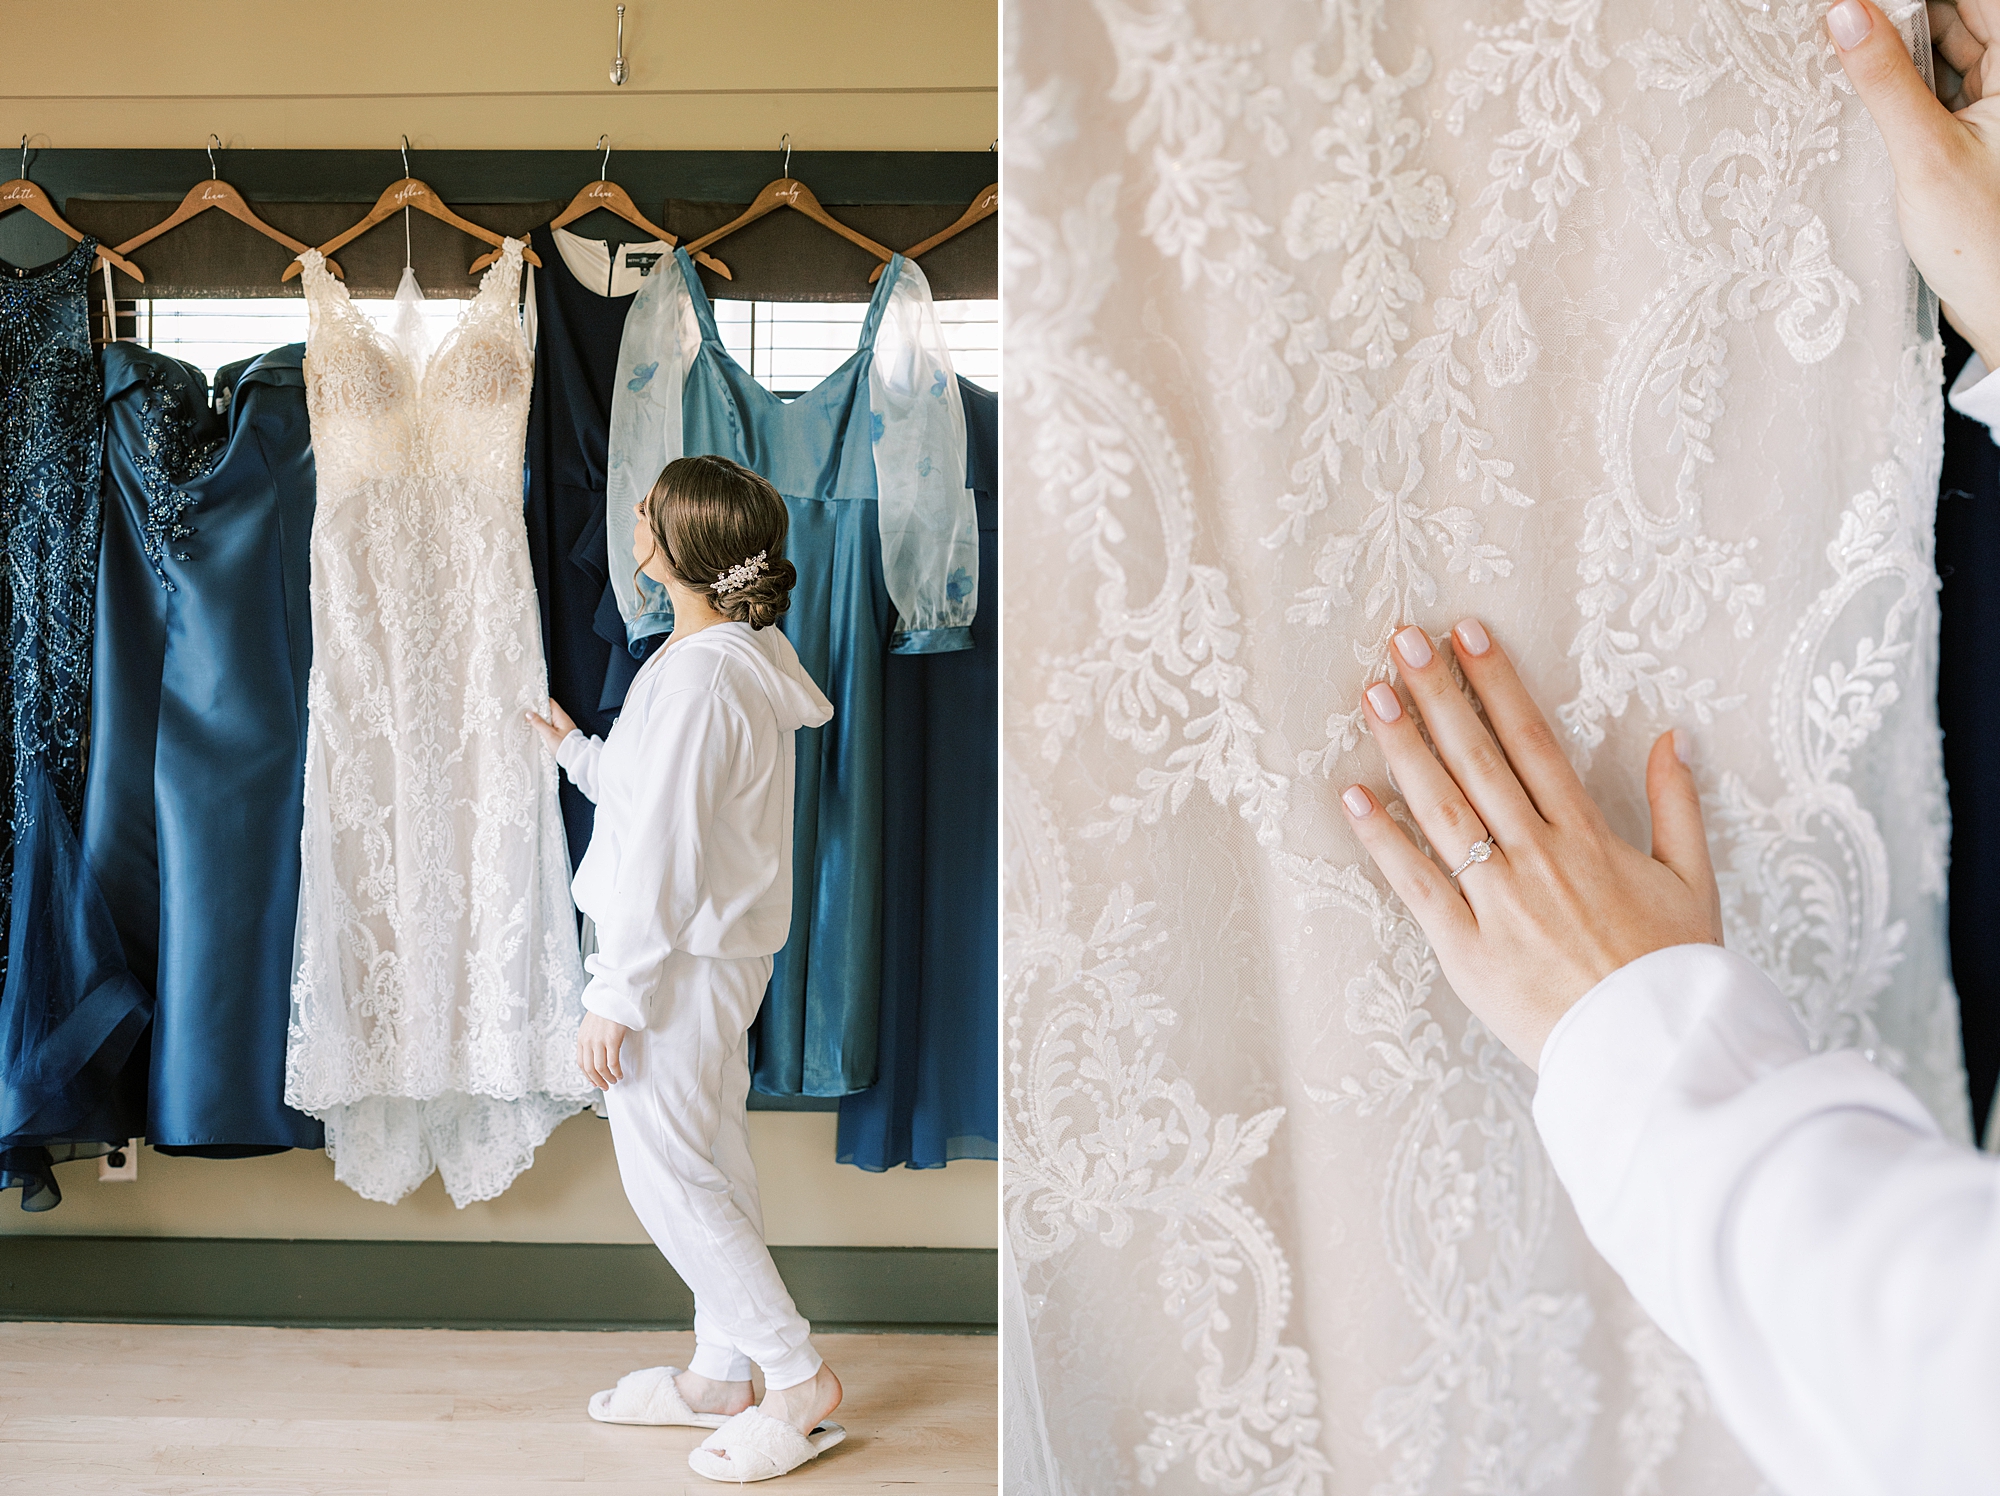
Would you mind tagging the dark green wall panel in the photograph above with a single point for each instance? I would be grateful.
(466, 1285)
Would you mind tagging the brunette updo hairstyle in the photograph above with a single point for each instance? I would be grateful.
(709, 516)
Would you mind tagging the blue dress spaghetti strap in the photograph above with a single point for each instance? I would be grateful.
(816, 1034)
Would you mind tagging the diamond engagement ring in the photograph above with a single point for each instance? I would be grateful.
(1479, 851)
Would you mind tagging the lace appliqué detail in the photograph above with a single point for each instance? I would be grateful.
(1095, 432)
(1666, 1389)
(1100, 1137)
(1771, 255)
(1469, 1207)
(437, 985)
(1807, 887)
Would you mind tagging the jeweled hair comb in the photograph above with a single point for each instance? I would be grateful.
(738, 576)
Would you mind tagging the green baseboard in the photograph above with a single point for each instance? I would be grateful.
(468, 1285)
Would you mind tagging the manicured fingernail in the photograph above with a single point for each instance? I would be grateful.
(1849, 23)
(1382, 696)
(1355, 798)
(1414, 645)
(1472, 637)
(1683, 745)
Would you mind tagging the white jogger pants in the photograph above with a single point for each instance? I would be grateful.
(678, 1123)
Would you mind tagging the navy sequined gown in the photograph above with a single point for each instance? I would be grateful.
(70, 1013)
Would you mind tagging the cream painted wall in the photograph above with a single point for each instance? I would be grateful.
(837, 74)
(571, 1194)
(909, 75)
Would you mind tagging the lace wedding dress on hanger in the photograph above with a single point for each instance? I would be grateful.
(437, 985)
(1591, 320)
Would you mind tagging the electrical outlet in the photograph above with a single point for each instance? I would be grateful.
(120, 1165)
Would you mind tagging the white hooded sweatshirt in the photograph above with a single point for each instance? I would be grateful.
(692, 849)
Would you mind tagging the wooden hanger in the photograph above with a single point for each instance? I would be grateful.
(22, 193)
(216, 193)
(983, 206)
(613, 199)
(787, 193)
(409, 193)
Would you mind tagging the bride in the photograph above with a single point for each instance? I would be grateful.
(689, 881)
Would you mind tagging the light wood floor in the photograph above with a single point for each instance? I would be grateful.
(169, 1410)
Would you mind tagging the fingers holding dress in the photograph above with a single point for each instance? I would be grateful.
(554, 727)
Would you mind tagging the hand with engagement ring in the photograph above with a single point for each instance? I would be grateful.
(1568, 901)
(1478, 852)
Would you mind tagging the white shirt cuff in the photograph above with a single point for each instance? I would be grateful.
(1975, 394)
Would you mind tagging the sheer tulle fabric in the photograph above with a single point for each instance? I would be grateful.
(929, 524)
(1590, 320)
(661, 338)
(437, 984)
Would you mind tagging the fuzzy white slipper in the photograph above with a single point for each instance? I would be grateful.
(650, 1397)
(760, 1447)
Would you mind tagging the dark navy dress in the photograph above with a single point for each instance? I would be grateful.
(569, 420)
(198, 749)
(936, 1091)
(1968, 557)
(70, 1015)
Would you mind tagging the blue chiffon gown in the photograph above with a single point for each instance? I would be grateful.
(936, 1092)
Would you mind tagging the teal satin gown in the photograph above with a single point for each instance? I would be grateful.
(817, 1033)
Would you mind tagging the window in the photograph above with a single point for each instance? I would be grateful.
(788, 347)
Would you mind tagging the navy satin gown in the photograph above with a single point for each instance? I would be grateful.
(936, 1091)
(198, 744)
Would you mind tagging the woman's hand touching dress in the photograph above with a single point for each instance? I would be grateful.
(1562, 901)
(1947, 164)
(554, 727)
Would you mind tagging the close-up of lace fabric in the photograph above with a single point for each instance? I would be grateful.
(1594, 322)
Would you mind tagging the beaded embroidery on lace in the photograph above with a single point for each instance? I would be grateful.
(437, 983)
(50, 514)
